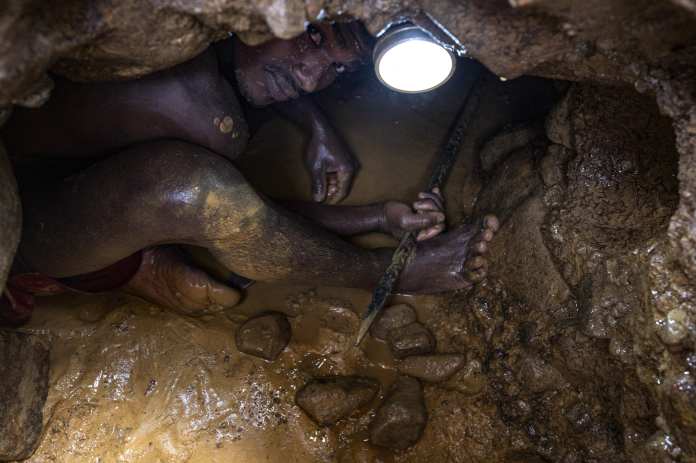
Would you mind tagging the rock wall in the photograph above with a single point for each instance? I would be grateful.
(10, 211)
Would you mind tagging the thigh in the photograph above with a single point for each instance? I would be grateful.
(155, 193)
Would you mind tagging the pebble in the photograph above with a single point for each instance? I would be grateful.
(432, 368)
(413, 339)
(328, 400)
(264, 336)
(400, 420)
(391, 318)
(340, 319)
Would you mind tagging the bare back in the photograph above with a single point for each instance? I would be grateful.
(192, 102)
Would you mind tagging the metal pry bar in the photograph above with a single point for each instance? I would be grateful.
(404, 252)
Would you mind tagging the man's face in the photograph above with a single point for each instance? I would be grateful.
(280, 70)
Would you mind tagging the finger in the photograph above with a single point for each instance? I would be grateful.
(319, 184)
(344, 178)
(416, 222)
(432, 197)
(430, 232)
(436, 191)
(426, 205)
(491, 222)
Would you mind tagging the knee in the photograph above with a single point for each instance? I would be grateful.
(200, 188)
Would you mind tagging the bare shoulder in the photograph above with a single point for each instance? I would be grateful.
(192, 102)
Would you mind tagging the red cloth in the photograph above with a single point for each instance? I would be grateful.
(17, 302)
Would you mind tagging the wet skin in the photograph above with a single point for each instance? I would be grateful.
(164, 176)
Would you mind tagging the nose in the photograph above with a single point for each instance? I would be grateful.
(309, 76)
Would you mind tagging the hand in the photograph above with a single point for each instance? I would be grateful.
(426, 216)
(331, 166)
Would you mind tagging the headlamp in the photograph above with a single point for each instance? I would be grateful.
(408, 60)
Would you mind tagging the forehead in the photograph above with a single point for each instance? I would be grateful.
(345, 41)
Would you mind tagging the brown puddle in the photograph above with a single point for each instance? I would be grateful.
(132, 382)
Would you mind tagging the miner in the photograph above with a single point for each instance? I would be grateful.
(130, 169)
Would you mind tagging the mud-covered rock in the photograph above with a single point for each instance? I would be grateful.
(391, 318)
(10, 216)
(511, 183)
(264, 336)
(328, 400)
(432, 368)
(413, 339)
(24, 363)
(538, 375)
(519, 257)
(340, 319)
(400, 420)
(506, 141)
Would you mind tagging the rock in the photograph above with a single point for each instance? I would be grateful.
(506, 141)
(400, 420)
(340, 319)
(10, 216)
(510, 184)
(413, 339)
(519, 257)
(432, 368)
(558, 125)
(264, 336)
(327, 400)
(24, 362)
(537, 375)
(393, 317)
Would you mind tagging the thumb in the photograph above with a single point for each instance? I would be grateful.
(319, 184)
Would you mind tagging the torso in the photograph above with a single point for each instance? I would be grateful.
(192, 102)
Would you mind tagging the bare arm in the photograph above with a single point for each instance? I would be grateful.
(392, 217)
(330, 164)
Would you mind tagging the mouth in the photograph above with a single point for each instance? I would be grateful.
(281, 87)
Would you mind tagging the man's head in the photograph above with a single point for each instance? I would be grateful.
(280, 70)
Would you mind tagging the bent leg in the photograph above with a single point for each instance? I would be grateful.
(173, 192)
(170, 192)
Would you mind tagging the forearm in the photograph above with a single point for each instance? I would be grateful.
(343, 220)
(306, 114)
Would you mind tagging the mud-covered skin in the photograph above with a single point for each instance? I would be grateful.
(165, 278)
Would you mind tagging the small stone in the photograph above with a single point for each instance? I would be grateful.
(674, 328)
(432, 368)
(340, 319)
(264, 336)
(537, 375)
(327, 400)
(579, 417)
(413, 339)
(393, 317)
(400, 420)
(24, 364)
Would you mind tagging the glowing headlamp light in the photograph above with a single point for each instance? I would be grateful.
(408, 60)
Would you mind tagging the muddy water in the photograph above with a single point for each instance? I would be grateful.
(132, 382)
